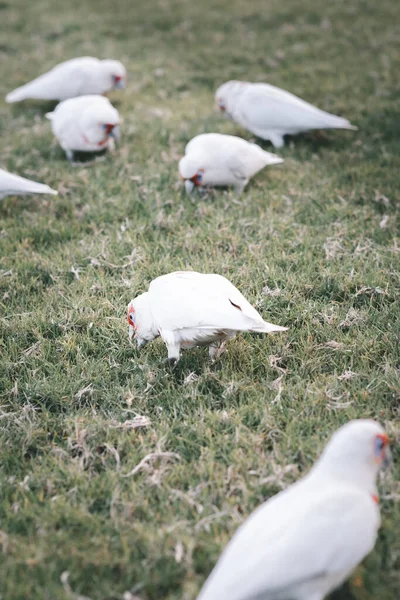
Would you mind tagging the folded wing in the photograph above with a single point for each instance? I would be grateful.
(201, 301)
(264, 107)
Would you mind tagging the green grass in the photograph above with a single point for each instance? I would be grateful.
(321, 230)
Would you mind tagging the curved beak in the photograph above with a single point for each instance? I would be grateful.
(387, 459)
(131, 332)
(116, 133)
(189, 185)
(120, 84)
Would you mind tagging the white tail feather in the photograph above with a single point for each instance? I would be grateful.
(266, 327)
(16, 95)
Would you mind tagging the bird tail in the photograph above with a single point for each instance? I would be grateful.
(341, 123)
(17, 95)
(32, 187)
(49, 115)
(48, 190)
(273, 159)
(266, 327)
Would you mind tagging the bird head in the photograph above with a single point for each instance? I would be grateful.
(226, 94)
(356, 452)
(99, 122)
(191, 173)
(115, 73)
(140, 320)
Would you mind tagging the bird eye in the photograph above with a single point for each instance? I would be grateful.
(199, 176)
(105, 127)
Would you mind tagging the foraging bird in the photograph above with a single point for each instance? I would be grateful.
(75, 77)
(191, 309)
(304, 542)
(85, 124)
(213, 159)
(14, 185)
(270, 113)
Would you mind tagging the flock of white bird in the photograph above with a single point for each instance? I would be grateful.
(305, 541)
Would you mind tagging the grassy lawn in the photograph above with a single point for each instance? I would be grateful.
(312, 243)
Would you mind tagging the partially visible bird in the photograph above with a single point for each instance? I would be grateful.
(75, 77)
(214, 159)
(270, 113)
(85, 124)
(191, 309)
(14, 185)
(304, 542)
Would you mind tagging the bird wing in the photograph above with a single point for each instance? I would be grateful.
(201, 301)
(65, 80)
(263, 107)
(11, 184)
(294, 539)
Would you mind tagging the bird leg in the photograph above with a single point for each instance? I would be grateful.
(173, 352)
(69, 154)
(216, 349)
(275, 138)
(240, 185)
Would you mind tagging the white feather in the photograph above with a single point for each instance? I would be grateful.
(304, 542)
(271, 113)
(224, 160)
(78, 123)
(188, 308)
(14, 185)
(75, 77)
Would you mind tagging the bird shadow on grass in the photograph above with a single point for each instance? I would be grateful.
(343, 593)
(311, 142)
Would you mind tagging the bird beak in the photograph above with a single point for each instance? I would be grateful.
(189, 185)
(387, 459)
(119, 84)
(131, 332)
(116, 133)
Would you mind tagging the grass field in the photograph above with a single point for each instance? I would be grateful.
(312, 243)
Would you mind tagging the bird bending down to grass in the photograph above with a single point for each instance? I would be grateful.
(214, 159)
(304, 542)
(14, 185)
(85, 124)
(75, 77)
(190, 309)
(270, 113)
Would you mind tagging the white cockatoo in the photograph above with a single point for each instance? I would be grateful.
(304, 542)
(270, 113)
(75, 77)
(84, 124)
(214, 159)
(14, 185)
(191, 309)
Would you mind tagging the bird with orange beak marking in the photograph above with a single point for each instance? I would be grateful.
(72, 78)
(214, 159)
(271, 113)
(85, 124)
(304, 542)
(190, 309)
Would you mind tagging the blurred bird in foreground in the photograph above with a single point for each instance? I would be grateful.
(304, 542)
